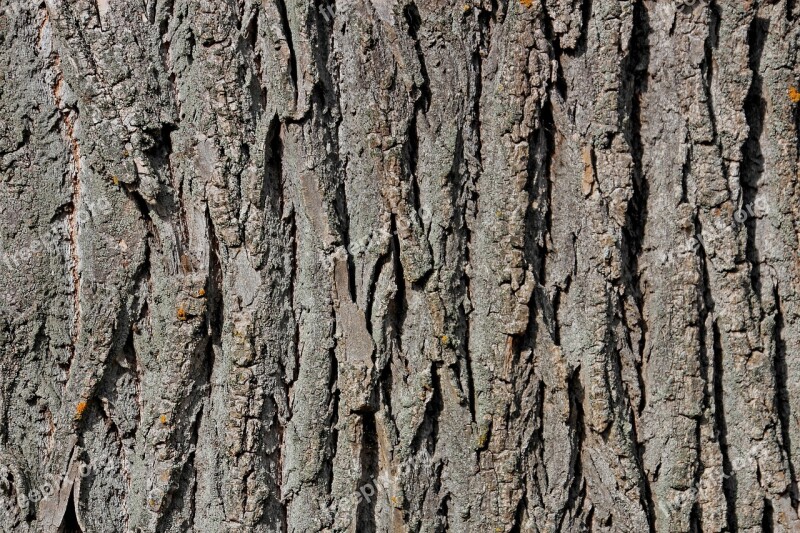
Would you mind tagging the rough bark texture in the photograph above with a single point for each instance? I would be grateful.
(377, 265)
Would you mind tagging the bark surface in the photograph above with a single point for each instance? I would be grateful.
(386, 265)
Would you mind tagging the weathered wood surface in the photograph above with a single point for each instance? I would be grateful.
(494, 266)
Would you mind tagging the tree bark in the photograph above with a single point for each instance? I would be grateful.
(378, 265)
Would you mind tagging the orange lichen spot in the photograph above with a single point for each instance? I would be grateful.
(115, 180)
(201, 293)
(467, 7)
(526, 3)
(794, 95)
(163, 419)
(445, 339)
(181, 313)
(80, 409)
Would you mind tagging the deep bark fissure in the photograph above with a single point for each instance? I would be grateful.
(369, 470)
(729, 475)
(767, 519)
(69, 523)
(636, 67)
(577, 422)
(414, 22)
(428, 432)
(287, 32)
(782, 399)
(752, 156)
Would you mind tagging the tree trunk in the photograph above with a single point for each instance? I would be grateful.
(377, 265)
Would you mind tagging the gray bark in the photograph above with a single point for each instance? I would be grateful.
(502, 265)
